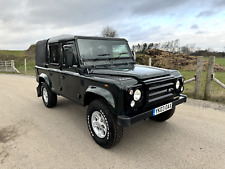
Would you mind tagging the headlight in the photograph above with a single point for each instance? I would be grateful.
(137, 95)
(177, 84)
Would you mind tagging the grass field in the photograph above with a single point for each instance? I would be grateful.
(30, 68)
(220, 61)
(18, 57)
(12, 53)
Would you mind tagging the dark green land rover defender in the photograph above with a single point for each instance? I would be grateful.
(101, 73)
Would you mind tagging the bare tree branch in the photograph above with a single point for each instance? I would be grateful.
(109, 32)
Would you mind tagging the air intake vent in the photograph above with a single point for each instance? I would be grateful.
(159, 89)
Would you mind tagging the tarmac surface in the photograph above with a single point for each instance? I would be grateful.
(33, 136)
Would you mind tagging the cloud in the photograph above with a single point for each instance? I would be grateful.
(26, 21)
(206, 13)
(195, 26)
(219, 3)
(199, 32)
(79, 12)
(160, 6)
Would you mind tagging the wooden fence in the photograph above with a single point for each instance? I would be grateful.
(209, 78)
(8, 66)
(197, 78)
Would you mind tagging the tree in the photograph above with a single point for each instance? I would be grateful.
(144, 47)
(150, 46)
(139, 47)
(185, 49)
(176, 45)
(109, 32)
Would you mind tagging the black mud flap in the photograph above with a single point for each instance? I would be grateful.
(39, 90)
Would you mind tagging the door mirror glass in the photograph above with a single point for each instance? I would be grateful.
(69, 59)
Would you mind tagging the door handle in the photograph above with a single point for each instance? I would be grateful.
(50, 74)
(63, 77)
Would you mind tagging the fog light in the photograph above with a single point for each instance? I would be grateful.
(182, 89)
(177, 84)
(132, 103)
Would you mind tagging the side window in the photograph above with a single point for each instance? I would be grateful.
(54, 54)
(67, 51)
(69, 56)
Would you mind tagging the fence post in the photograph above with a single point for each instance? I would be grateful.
(12, 65)
(150, 61)
(25, 65)
(198, 77)
(6, 66)
(209, 77)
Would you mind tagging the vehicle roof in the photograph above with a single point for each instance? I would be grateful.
(62, 38)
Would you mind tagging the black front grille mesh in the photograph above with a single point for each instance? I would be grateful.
(159, 89)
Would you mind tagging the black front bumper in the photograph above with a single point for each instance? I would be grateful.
(126, 121)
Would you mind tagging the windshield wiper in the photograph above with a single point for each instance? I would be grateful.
(99, 58)
(105, 54)
(123, 53)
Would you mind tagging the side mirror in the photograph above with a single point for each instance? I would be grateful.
(134, 54)
(69, 58)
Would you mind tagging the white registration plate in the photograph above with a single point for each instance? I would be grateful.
(162, 109)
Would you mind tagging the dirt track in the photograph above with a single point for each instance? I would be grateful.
(32, 136)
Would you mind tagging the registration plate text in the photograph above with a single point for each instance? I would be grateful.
(162, 109)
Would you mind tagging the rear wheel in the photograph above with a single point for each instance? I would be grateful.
(164, 116)
(102, 124)
(49, 98)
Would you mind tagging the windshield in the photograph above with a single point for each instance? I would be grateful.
(103, 52)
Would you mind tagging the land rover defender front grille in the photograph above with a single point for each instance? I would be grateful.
(159, 90)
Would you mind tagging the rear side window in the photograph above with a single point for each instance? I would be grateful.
(54, 54)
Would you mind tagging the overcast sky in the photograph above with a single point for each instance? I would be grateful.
(202, 22)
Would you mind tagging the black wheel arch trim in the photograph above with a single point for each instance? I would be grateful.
(42, 78)
(102, 93)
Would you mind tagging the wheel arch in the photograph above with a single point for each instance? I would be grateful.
(43, 78)
(94, 93)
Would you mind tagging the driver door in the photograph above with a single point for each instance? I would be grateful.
(69, 75)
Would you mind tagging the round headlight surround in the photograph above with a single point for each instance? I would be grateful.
(137, 95)
(177, 85)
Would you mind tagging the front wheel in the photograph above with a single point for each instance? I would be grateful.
(49, 98)
(164, 116)
(102, 124)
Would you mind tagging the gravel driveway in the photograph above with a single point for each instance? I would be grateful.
(33, 136)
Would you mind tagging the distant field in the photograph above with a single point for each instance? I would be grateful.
(30, 68)
(220, 61)
(217, 92)
(11, 53)
(18, 57)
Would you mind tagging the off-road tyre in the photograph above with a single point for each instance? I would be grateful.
(163, 116)
(114, 131)
(49, 98)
